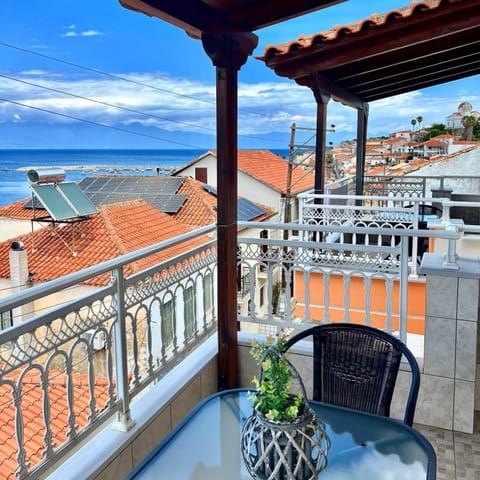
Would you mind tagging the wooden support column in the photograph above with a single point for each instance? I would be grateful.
(322, 98)
(228, 51)
(362, 121)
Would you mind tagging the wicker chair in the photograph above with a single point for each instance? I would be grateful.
(356, 366)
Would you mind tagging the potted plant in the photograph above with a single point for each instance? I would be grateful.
(283, 439)
(273, 397)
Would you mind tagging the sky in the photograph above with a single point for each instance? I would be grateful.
(92, 74)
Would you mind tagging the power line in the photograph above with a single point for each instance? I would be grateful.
(98, 124)
(100, 72)
(150, 115)
(119, 77)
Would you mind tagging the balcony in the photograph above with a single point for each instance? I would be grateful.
(93, 378)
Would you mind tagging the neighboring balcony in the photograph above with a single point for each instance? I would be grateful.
(112, 370)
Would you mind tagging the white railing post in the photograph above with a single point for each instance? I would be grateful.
(123, 422)
(403, 309)
(451, 256)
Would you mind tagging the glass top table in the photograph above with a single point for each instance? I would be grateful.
(206, 445)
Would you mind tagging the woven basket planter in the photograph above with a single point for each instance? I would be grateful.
(295, 450)
(285, 450)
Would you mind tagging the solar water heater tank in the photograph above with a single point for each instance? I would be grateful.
(46, 175)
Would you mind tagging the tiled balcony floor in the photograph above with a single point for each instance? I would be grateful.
(458, 454)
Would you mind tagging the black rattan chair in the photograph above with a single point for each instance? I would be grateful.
(356, 366)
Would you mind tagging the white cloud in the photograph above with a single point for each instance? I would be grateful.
(72, 32)
(90, 33)
(188, 106)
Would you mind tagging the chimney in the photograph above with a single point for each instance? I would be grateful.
(19, 279)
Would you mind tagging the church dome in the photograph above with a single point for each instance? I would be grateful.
(465, 108)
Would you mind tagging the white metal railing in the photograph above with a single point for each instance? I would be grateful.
(293, 282)
(387, 212)
(102, 349)
(447, 205)
(97, 352)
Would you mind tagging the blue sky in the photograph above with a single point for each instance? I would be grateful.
(90, 48)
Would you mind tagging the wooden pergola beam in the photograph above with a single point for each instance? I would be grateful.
(228, 53)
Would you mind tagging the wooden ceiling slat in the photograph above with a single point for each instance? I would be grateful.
(412, 69)
(258, 14)
(432, 53)
(422, 47)
(198, 17)
(194, 16)
(390, 91)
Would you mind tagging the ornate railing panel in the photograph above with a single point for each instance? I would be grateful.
(387, 186)
(300, 281)
(70, 367)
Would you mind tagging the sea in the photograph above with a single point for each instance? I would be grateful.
(79, 163)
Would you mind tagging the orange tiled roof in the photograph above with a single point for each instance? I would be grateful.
(32, 400)
(16, 211)
(347, 31)
(267, 167)
(435, 143)
(272, 170)
(200, 207)
(117, 229)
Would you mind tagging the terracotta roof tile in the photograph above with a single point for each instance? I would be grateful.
(16, 211)
(117, 229)
(33, 420)
(268, 168)
(342, 31)
(199, 208)
(272, 170)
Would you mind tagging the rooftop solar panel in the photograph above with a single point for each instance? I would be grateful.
(248, 210)
(210, 189)
(81, 205)
(63, 201)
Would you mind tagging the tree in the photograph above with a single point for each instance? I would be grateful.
(413, 122)
(435, 129)
(468, 122)
(419, 121)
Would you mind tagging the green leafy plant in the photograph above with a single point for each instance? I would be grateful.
(273, 397)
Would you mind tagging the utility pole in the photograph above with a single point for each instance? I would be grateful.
(293, 150)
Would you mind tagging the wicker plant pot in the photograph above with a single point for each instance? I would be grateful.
(295, 450)
(285, 450)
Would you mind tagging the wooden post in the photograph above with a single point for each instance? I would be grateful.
(362, 120)
(228, 53)
(322, 99)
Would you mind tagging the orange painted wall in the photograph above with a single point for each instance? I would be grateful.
(356, 311)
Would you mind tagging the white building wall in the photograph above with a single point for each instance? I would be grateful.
(467, 163)
(248, 186)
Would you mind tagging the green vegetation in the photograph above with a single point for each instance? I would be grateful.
(273, 398)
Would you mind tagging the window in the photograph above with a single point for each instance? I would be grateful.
(208, 292)
(6, 319)
(167, 323)
(201, 174)
(189, 302)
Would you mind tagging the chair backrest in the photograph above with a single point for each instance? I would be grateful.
(356, 366)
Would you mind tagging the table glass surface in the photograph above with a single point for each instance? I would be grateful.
(207, 445)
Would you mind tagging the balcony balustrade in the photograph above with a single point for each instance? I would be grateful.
(68, 369)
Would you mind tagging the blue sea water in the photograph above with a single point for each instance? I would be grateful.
(14, 184)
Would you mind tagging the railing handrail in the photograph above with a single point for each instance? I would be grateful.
(148, 322)
(370, 197)
(398, 232)
(75, 278)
